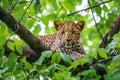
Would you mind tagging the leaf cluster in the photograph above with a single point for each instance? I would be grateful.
(39, 19)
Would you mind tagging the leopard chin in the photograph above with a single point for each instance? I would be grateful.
(68, 46)
(72, 45)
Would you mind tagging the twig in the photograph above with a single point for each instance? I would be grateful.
(27, 74)
(17, 26)
(89, 8)
(33, 18)
(95, 20)
(25, 11)
(10, 10)
(13, 6)
(60, 8)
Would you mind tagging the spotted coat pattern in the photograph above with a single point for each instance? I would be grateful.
(66, 39)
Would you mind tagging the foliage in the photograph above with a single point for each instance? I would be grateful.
(39, 17)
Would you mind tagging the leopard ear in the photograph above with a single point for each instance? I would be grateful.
(81, 25)
(57, 24)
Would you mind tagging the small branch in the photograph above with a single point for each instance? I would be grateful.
(95, 21)
(31, 56)
(33, 18)
(89, 7)
(60, 9)
(13, 6)
(25, 11)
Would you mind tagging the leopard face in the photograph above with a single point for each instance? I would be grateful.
(68, 33)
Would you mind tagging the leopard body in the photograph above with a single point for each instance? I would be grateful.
(66, 40)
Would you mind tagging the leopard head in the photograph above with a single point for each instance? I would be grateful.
(68, 33)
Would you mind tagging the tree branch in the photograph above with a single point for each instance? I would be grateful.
(13, 6)
(20, 30)
(26, 10)
(95, 20)
(115, 28)
(89, 8)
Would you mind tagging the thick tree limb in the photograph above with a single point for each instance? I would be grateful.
(31, 56)
(115, 28)
(20, 30)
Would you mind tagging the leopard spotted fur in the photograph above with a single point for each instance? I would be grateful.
(66, 39)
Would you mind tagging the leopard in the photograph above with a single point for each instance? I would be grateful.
(66, 39)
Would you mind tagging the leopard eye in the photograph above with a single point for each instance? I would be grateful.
(62, 32)
(74, 32)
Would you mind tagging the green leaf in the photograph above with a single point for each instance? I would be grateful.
(37, 6)
(51, 30)
(98, 10)
(93, 53)
(66, 58)
(2, 71)
(12, 60)
(116, 58)
(116, 76)
(9, 77)
(107, 76)
(45, 20)
(56, 58)
(4, 33)
(67, 6)
(52, 68)
(5, 3)
(18, 69)
(102, 53)
(105, 8)
(45, 54)
(37, 29)
(28, 65)
(2, 58)
(2, 51)
(108, 38)
(113, 68)
(90, 74)
(63, 75)
(18, 45)
(11, 45)
(62, 67)
(30, 23)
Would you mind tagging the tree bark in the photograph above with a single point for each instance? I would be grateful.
(33, 42)
(115, 28)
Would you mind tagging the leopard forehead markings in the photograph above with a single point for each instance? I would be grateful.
(66, 39)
